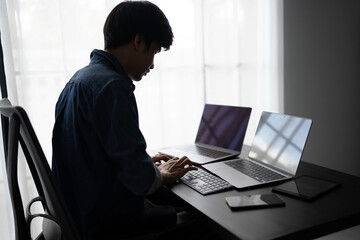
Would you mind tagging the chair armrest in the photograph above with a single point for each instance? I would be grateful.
(50, 227)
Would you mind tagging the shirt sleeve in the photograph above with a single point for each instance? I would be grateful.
(157, 181)
(117, 125)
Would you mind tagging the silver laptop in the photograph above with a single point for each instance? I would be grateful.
(274, 156)
(220, 135)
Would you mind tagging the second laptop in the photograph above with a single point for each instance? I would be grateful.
(220, 135)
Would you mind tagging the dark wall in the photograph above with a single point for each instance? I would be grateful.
(322, 78)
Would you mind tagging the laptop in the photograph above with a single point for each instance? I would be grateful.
(220, 135)
(274, 156)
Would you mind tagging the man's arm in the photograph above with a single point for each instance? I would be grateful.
(116, 124)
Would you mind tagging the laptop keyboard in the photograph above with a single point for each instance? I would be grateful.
(207, 152)
(204, 182)
(256, 171)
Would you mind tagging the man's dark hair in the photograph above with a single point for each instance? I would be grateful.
(129, 18)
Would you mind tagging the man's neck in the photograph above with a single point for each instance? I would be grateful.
(124, 56)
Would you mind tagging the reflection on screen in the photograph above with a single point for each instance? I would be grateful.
(280, 140)
(223, 126)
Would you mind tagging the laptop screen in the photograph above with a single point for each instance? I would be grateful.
(223, 126)
(280, 140)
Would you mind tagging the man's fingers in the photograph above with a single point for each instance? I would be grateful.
(184, 158)
(190, 168)
(185, 161)
(161, 157)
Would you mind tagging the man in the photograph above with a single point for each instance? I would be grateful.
(99, 153)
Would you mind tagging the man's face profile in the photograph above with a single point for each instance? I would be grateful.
(144, 59)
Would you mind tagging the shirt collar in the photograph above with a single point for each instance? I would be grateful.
(100, 55)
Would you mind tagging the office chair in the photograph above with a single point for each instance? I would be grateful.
(57, 223)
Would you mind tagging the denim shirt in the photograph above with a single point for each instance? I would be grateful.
(99, 153)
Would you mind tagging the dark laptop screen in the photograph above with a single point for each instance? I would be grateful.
(223, 126)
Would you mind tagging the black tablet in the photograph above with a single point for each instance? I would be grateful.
(306, 187)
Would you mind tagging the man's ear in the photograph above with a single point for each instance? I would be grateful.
(139, 42)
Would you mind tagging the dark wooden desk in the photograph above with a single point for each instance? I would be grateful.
(299, 219)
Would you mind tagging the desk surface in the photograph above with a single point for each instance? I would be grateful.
(299, 219)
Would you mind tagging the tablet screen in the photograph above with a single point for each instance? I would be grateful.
(305, 187)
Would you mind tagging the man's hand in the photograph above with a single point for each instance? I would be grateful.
(158, 158)
(174, 169)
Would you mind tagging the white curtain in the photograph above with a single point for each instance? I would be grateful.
(225, 52)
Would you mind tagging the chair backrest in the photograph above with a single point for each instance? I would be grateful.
(57, 222)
